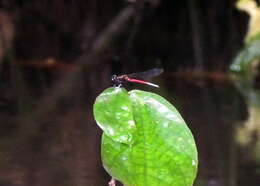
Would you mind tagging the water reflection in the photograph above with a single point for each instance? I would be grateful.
(216, 112)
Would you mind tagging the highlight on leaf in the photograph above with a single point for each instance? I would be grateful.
(145, 142)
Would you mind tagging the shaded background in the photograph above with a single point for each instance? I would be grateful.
(57, 56)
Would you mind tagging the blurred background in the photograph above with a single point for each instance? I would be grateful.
(57, 56)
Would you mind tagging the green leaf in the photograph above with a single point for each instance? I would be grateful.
(245, 70)
(162, 151)
(114, 114)
(247, 60)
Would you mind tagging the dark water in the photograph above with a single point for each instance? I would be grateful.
(61, 147)
(215, 111)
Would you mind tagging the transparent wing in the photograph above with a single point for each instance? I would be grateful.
(146, 74)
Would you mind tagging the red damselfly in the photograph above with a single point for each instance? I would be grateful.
(121, 79)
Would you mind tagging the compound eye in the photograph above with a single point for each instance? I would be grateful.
(113, 77)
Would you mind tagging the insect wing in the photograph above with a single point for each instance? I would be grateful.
(146, 74)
